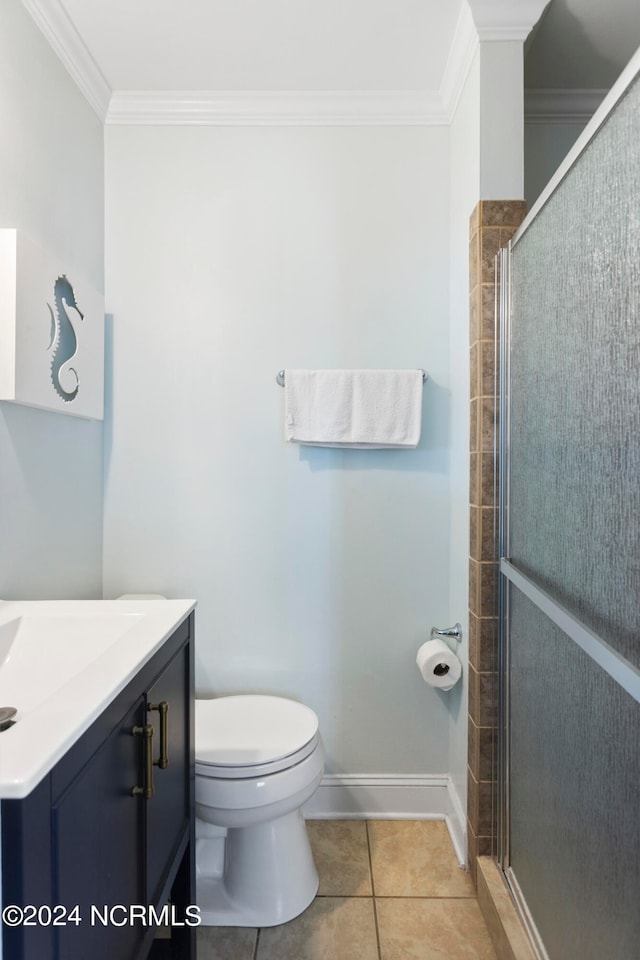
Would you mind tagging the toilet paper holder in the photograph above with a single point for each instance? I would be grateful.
(454, 632)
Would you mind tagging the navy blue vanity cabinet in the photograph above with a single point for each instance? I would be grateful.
(112, 826)
(94, 821)
(168, 708)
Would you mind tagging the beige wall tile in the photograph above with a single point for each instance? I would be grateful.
(486, 846)
(487, 708)
(499, 213)
(472, 850)
(474, 479)
(482, 746)
(475, 312)
(474, 370)
(487, 464)
(489, 246)
(492, 224)
(506, 233)
(474, 533)
(474, 427)
(341, 854)
(474, 219)
(487, 312)
(474, 260)
(483, 643)
(473, 747)
(472, 800)
(483, 697)
(489, 423)
(413, 858)
(486, 368)
(486, 809)
(487, 592)
(474, 593)
(485, 738)
(488, 533)
(332, 928)
(432, 930)
(474, 641)
(474, 689)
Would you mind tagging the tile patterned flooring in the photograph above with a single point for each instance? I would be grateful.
(389, 890)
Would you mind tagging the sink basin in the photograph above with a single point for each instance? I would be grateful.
(40, 653)
(61, 663)
(8, 633)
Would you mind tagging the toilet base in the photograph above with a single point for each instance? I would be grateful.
(259, 876)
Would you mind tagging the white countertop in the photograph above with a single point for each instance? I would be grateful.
(61, 663)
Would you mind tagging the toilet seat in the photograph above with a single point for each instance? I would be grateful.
(248, 736)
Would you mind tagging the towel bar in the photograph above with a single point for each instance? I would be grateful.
(280, 377)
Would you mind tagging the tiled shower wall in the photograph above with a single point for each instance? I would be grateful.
(492, 224)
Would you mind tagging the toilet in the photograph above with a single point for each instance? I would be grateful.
(258, 760)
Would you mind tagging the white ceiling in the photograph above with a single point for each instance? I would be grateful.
(268, 44)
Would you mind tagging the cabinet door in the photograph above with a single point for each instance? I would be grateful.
(97, 835)
(168, 809)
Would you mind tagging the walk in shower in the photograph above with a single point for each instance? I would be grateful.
(569, 778)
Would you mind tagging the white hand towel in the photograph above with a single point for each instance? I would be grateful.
(370, 409)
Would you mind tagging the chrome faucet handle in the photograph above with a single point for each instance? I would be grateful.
(454, 632)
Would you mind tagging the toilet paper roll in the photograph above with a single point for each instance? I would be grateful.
(438, 665)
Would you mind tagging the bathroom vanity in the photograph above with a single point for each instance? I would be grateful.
(96, 780)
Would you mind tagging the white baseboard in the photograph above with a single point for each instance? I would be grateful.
(379, 797)
(457, 823)
(382, 797)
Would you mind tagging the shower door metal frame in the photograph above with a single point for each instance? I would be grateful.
(614, 664)
(501, 460)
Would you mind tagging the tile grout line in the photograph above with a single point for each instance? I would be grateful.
(425, 896)
(373, 890)
(396, 896)
(255, 949)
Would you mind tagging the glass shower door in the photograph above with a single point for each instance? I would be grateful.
(570, 573)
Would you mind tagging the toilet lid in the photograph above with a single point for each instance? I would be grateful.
(250, 729)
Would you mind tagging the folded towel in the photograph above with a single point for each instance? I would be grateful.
(370, 409)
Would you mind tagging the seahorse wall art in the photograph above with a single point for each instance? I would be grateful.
(52, 330)
(64, 340)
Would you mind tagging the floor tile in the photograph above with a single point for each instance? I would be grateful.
(341, 854)
(415, 858)
(433, 929)
(332, 928)
(226, 943)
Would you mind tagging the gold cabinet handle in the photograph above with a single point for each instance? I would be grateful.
(163, 710)
(146, 732)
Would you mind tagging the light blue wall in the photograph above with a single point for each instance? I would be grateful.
(52, 188)
(231, 253)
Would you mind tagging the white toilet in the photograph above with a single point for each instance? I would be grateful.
(258, 760)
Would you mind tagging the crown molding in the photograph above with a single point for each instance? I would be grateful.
(461, 53)
(277, 108)
(561, 106)
(59, 31)
(479, 20)
(310, 108)
(504, 20)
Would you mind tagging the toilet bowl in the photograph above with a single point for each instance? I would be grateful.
(258, 760)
